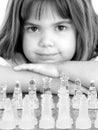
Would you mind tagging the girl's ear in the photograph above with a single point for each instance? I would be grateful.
(95, 5)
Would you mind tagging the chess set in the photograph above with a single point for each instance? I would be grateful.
(42, 112)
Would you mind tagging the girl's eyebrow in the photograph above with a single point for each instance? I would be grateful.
(66, 21)
(29, 23)
(63, 22)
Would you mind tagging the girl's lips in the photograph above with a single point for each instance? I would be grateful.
(47, 56)
(42, 54)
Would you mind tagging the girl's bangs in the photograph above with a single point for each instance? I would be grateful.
(38, 7)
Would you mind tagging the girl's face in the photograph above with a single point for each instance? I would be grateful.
(50, 39)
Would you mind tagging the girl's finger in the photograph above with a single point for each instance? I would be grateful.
(20, 67)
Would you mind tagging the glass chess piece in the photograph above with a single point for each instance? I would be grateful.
(46, 121)
(64, 120)
(83, 120)
(77, 96)
(96, 121)
(17, 101)
(92, 96)
(32, 94)
(28, 119)
(3, 88)
(17, 96)
(8, 121)
(47, 89)
(64, 86)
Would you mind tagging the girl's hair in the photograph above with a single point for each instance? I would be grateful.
(80, 12)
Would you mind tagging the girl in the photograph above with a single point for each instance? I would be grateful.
(47, 37)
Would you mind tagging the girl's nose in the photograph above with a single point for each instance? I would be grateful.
(46, 43)
(47, 39)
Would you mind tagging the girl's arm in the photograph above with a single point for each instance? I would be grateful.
(84, 70)
(73, 69)
(9, 76)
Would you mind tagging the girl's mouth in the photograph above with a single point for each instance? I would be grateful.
(49, 57)
(47, 54)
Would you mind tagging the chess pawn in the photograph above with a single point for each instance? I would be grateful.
(32, 93)
(77, 94)
(92, 96)
(64, 120)
(46, 121)
(8, 121)
(47, 89)
(83, 121)
(3, 88)
(17, 96)
(17, 101)
(64, 84)
(28, 119)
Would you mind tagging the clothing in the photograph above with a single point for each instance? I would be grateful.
(4, 62)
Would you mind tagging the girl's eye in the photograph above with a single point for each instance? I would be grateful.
(32, 29)
(61, 28)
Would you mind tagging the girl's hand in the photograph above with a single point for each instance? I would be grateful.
(45, 69)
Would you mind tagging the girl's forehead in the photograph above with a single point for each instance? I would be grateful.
(38, 9)
(47, 9)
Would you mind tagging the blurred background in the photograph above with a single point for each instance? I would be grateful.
(3, 4)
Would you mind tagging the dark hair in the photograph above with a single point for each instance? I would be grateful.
(79, 11)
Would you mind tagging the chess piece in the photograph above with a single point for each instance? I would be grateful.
(83, 121)
(17, 101)
(46, 121)
(17, 96)
(64, 86)
(8, 121)
(77, 94)
(64, 120)
(28, 119)
(3, 88)
(92, 96)
(96, 121)
(32, 94)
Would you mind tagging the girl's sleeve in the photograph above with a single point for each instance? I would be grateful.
(3, 62)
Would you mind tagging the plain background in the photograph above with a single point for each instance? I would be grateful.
(3, 4)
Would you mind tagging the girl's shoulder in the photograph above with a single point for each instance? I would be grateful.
(19, 59)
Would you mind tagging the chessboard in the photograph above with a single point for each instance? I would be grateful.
(45, 111)
(74, 114)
